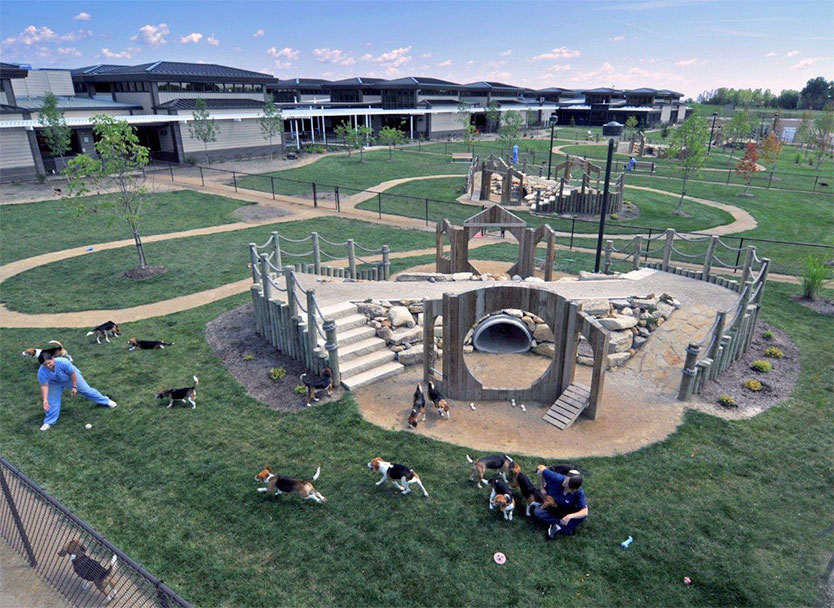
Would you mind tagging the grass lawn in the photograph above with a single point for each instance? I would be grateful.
(739, 507)
(193, 264)
(349, 174)
(57, 226)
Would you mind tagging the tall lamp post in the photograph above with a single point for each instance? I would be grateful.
(775, 123)
(711, 131)
(554, 119)
(613, 130)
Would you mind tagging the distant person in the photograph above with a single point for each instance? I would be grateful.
(631, 164)
(571, 509)
(515, 154)
(54, 376)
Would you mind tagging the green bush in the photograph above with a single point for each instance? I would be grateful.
(773, 352)
(814, 277)
(190, 160)
(751, 384)
(727, 401)
(300, 390)
(768, 335)
(248, 357)
(277, 373)
(615, 217)
(762, 366)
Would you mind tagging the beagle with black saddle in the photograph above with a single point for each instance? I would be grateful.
(278, 484)
(502, 496)
(400, 475)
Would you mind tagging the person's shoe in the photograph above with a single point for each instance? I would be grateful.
(45, 426)
(111, 403)
(552, 531)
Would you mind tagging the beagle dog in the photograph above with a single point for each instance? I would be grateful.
(397, 474)
(55, 351)
(189, 393)
(90, 570)
(501, 464)
(278, 484)
(133, 344)
(318, 383)
(418, 407)
(532, 495)
(502, 496)
(104, 330)
(439, 402)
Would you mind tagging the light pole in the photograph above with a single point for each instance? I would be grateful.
(711, 131)
(554, 119)
(612, 130)
(775, 123)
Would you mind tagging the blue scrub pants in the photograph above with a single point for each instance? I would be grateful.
(54, 397)
(544, 516)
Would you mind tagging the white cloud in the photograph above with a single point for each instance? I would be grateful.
(426, 56)
(335, 56)
(772, 54)
(606, 70)
(495, 63)
(126, 54)
(470, 63)
(213, 40)
(286, 52)
(391, 61)
(686, 62)
(152, 35)
(32, 35)
(507, 53)
(445, 64)
(791, 53)
(82, 16)
(192, 38)
(562, 52)
(69, 51)
(806, 62)
(617, 39)
(558, 67)
(258, 33)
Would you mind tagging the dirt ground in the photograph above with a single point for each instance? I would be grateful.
(820, 305)
(484, 267)
(233, 337)
(778, 383)
(257, 213)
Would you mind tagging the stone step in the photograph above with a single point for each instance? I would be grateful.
(349, 322)
(337, 311)
(392, 368)
(349, 336)
(365, 362)
(360, 348)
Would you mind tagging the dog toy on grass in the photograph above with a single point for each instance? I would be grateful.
(627, 542)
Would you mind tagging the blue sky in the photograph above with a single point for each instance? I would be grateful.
(686, 45)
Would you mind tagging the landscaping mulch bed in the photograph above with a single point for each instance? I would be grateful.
(144, 273)
(255, 213)
(778, 383)
(233, 337)
(822, 306)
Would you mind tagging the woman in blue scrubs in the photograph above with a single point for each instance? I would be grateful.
(54, 376)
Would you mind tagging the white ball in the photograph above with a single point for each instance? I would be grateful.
(88, 426)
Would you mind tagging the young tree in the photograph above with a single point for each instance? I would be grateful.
(120, 163)
(631, 123)
(55, 130)
(688, 150)
(390, 137)
(803, 132)
(346, 133)
(364, 137)
(509, 129)
(493, 114)
(271, 123)
(202, 126)
(771, 149)
(464, 117)
(747, 166)
(572, 122)
(739, 127)
(821, 134)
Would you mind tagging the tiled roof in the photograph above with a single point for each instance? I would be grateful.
(356, 82)
(78, 102)
(603, 91)
(485, 84)
(419, 81)
(172, 68)
(212, 104)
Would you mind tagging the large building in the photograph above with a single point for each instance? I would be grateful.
(159, 99)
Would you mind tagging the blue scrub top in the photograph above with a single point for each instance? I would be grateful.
(553, 486)
(61, 373)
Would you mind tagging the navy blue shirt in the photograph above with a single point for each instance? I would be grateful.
(575, 501)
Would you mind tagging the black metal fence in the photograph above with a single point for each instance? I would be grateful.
(38, 527)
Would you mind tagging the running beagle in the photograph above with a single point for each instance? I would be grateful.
(502, 496)
(418, 407)
(104, 330)
(55, 351)
(397, 474)
(501, 464)
(278, 484)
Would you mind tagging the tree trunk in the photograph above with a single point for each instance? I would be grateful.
(390, 153)
(679, 208)
(271, 151)
(205, 147)
(139, 249)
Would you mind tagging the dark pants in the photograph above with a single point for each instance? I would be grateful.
(554, 516)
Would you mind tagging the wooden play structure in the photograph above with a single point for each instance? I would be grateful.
(462, 311)
(510, 194)
(494, 218)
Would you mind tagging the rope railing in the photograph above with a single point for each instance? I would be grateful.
(687, 255)
(724, 264)
(723, 244)
(298, 255)
(289, 240)
(626, 246)
(324, 240)
(358, 246)
(692, 240)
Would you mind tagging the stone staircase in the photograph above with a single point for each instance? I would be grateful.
(568, 406)
(363, 358)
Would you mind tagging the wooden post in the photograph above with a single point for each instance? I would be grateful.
(316, 253)
(765, 271)
(713, 241)
(667, 249)
(386, 263)
(267, 286)
(606, 261)
(332, 348)
(253, 257)
(351, 258)
(717, 334)
(638, 248)
(289, 276)
(748, 262)
(550, 258)
(276, 248)
(312, 330)
(689, 372)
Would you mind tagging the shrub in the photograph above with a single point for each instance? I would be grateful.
(300, 390)
(773, 352)
(768, 335)
(248, 357)
(727, 401)
(751, 384)
(814, 277)
(762, 366)
(798, 158)
(277, 373)
(615, 217)
(190, 160)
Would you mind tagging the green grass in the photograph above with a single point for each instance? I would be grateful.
(349, 174)
(194, 264)
(55, 225)
(173, 488)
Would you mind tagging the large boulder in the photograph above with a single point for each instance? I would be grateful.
(412, 356)
(399, 316)
(619, 341)
(406, 335)
(542, 333)
(595, 306)
(546, 349)
(618, 322)
(618, 359)
(370, 310)
(422, 276)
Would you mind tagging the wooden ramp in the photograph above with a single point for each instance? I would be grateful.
(568, 406)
